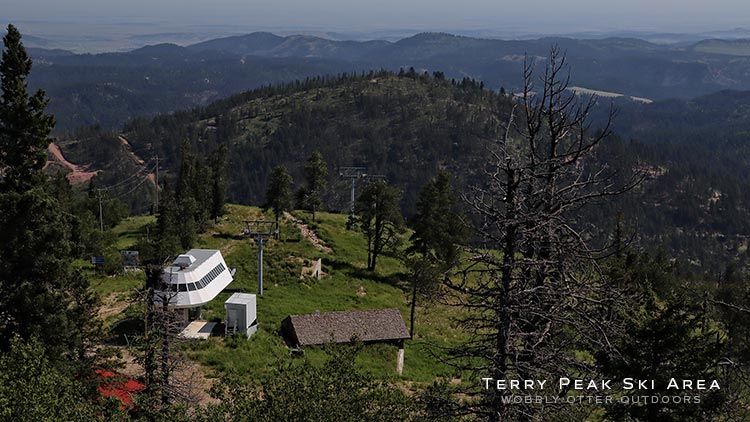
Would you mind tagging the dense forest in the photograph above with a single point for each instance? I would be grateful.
(108, 89)
(407, 126)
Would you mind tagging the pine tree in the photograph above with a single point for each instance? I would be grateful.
(666, 337)
(218, 164)
(40, 295)
(335, 389)
(438, 229)
(435, 243)
(24, 126)
(316, 173)
(187, 203)
(32, 388)
(166, 239)
(379, 217)
(279, 193)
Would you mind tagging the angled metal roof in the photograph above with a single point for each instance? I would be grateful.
(341, 327)
(198, 283)
(200, 255)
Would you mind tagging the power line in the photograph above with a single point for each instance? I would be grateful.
(127, 179)
(145, 178)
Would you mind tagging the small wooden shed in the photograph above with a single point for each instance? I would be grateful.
(368, 326)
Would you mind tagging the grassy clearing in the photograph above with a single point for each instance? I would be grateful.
(130, 229)
(347, 285)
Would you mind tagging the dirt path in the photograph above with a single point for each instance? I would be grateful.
(136, 159)
(112, 305)
(308, 233)
(77, 174)
(191, 376)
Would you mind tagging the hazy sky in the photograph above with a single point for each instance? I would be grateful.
(534, 15)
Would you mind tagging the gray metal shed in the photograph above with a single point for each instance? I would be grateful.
(241, 314)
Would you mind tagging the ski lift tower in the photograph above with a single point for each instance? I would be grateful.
(259, 230)
(354, 174)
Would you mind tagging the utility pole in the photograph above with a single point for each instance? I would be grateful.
(156, 200)
(101, 218)
(260, 265)
(260, 229)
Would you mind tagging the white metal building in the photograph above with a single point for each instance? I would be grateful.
(196, 277)
(241, 314)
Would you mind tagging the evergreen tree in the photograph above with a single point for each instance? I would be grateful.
(316, 174)
(32, 388)
(40, 295)
(435, 243)
(336, 390)
(187, 204)
(201, 190)
(24, 125)
(279, 193)
(218, 164)
(166, 237)
(187, 208)
(666, 337)
(438, 229)
(379, 217)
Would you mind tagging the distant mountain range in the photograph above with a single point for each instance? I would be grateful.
(110, 88)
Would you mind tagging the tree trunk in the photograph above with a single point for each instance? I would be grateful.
(413, 308)
(165, 355)
(503, 316)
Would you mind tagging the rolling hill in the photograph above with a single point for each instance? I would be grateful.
(740, 47)
(108, 89)
(407, 127)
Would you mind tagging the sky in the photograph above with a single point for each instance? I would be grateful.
(350, 15)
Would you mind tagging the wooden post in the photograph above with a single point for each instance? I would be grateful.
(400, 358)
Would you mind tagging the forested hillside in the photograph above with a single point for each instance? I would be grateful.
(108, 89)
(701, 152)
(407, 127)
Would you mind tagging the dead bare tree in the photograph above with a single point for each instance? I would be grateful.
(157, 350)
(534, 296)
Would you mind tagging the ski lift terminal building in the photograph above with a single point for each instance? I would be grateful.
(194, 279)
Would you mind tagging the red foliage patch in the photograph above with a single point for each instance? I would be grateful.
(120, 387)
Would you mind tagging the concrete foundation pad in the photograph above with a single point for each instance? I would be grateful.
(198, 330)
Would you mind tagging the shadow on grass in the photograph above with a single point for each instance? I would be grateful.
(235, 290)
(229, 236)
(397, 280)
(124, 330)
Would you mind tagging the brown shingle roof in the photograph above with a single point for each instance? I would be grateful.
(341, 327)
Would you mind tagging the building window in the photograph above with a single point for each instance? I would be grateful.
(208, 278)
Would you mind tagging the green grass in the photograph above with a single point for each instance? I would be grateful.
(130, 229)
(121, 284)
(346, 286)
